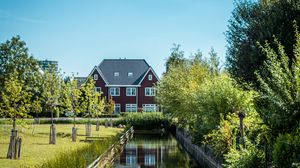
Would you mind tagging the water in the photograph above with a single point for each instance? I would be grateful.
(154, 151)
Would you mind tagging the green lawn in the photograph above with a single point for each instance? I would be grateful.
(36, 148)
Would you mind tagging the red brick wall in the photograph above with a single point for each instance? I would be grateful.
(146, 83)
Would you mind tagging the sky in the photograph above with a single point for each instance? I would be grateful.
(79, 34)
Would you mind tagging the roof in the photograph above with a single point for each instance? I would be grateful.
(137, 66)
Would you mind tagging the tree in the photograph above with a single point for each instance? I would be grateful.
(99, 107)
(279, 102)
(110, 107)
(51, 94)
(72, 102)
(176, 58)
(88, 101)
(254, 22)
(15, 104)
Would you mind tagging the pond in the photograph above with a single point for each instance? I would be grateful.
(154, 151)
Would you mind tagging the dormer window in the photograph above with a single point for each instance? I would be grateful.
(116, 74)
(130, 74)
(95, 76)
(149, 77)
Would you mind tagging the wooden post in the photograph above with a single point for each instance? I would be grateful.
(97, 125)
(111, 123)
(88, 131)
(52, 139)
(19, 147)
(74, 134)
(106, 123)
(11, 154)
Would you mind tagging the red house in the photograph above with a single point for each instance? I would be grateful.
(130, 82)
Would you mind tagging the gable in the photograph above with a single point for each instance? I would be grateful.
(145, 77)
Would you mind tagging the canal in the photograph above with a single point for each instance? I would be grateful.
(154, 151)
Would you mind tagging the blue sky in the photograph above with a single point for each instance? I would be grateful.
(79, 34)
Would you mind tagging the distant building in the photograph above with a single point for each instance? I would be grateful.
(48, 65)
(130, 83)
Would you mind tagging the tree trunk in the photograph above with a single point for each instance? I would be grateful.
(242, 132)
(74, 134)
(52, 139)
(106, 123)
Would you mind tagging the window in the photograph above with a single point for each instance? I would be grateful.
(95, 76)
(116, 74)
(149, 107)
(114, 91)
(130, 91)
(130, 74)
(117, 108)
(97, 89)
(149, 77)
(131, 108)
(149, 91)
(149, 160)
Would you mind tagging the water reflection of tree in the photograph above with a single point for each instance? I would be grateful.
(176, 158)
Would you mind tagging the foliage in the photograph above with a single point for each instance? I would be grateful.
(52, 87)
(14, 56)
(176, 58)
(147, 121)
(258, 21)
(245, 158)
(110, 106)
(286, 150)
(15, 98)
(219, 96)
(87, 98)
(279, 102)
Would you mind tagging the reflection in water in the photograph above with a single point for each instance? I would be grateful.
(154, 151)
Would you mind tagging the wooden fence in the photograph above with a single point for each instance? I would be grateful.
(202, 155)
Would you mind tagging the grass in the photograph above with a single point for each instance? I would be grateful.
(36, 149)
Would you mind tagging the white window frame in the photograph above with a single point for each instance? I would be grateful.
(130, 74)
(116, 74)
(131, 108)
(151, 91)
(146, 107)
(95, 76)
(114, 91)
(149, 160)
(130, 91)
(150, 77)
(97, 90)
(117, 106)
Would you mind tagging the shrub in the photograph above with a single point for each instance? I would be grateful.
(245, 158)
(286, 151)
(146, 121)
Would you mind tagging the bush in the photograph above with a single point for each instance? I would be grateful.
(286, 151)
(147, 121)
(245, 158)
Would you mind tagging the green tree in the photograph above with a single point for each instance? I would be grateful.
(88, 102)
(98, 107)
(72, 102)
(279, 103)
(176, 58)
(255, 22)
(15, 104)
(51, 95)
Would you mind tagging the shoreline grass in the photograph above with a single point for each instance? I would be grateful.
(36, 149)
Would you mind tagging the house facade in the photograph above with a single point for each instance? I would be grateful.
(130, 83)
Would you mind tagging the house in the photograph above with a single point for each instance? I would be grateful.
(130, 82)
